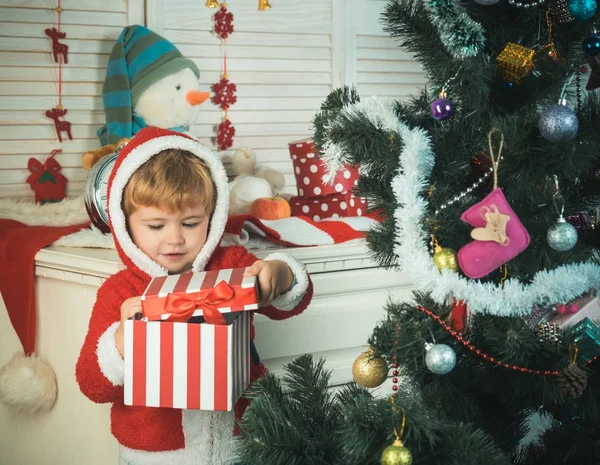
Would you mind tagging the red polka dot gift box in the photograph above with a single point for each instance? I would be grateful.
(329, 206)
(309, 171)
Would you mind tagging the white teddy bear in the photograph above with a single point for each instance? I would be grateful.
(251, 182)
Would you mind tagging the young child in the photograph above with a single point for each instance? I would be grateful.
(168, 202)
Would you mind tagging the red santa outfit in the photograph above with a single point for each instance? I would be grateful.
(160, 436)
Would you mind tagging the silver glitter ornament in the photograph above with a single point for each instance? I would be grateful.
(486, 2)
(562, 236)
(440, 358)
(558, 123)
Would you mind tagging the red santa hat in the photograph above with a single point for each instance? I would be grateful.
(27, 383)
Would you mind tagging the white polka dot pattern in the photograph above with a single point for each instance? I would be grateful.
(308, 165)
(330, 206)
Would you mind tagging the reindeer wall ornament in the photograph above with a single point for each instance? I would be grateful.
(57, 47)
(59, 51)
(60, 125)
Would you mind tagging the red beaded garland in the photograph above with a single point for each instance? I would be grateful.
(478, 352)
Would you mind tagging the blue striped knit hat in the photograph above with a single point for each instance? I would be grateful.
(138, 59)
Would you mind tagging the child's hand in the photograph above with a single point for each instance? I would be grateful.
(274, 278)
(129, 308)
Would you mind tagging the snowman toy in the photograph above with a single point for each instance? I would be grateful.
(148, 83)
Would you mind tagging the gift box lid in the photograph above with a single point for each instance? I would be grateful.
(306, 142)
(227, 290)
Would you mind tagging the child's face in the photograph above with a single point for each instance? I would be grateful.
(172, 239)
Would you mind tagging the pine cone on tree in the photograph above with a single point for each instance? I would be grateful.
(572, 381)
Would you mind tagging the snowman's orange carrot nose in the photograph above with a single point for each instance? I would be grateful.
(196, 98)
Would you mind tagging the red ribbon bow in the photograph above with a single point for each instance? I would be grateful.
(182, 306)
(37, 169)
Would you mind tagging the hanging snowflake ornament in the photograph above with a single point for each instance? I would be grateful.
(224, 93)
(223, 22)
(225, 133)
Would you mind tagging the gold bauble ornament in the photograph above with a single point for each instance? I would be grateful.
(396, 454)
(445, 258)
(263, 5)
(212, 4)
(369, 371)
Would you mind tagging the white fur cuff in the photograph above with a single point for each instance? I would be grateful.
(109, 358)
(289, 300)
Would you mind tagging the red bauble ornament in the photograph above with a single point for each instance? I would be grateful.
(224, 93)
(47, 182)
(225, 133)
(223, 22)
(57, 47)
(60, 125)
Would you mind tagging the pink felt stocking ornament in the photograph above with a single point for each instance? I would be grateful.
(499, 234)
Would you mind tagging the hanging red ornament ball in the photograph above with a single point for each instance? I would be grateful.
(223, 22)
(224, 93)
(225, 133)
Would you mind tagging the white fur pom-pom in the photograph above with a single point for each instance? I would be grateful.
(28, 384)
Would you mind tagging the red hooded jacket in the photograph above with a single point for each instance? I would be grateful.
(161, 436)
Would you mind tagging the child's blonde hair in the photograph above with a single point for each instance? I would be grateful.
(173, 179)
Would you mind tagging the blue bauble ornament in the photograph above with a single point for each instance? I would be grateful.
(591, 45)
(562, 236)
(558, 123)
(442, 108)
(440, 358)
(582, 10)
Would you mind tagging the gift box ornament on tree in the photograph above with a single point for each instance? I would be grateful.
(515, 62)
(587, 339)
(499, 234)
(46, 180)
(192, 349)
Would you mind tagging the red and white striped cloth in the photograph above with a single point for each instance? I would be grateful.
(187, 365)
(298, 231)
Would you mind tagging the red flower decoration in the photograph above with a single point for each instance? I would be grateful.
(224, 93)
(223, 22)
(225, 133)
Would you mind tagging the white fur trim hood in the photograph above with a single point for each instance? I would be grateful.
(136, 156)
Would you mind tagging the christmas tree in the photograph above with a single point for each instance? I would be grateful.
(486, 182)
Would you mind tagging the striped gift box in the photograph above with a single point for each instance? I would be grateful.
(187, 365)
(199, 285)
